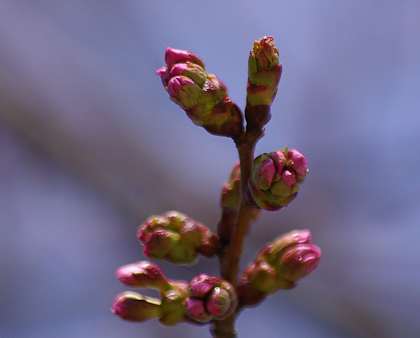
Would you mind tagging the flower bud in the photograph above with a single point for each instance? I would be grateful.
(210, 298)
(298, 261)
(173, 56)
(143, 274)
(279, 265)
(135, 307)
(203, 96)
(264, 71)
(177, 238)
(257, 282)
(275, 178)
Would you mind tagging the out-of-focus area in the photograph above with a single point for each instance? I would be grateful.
(90, 146)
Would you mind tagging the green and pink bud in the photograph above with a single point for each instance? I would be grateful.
(275, 178)
(211, 298)
(174, 56)
(297, 262)
(203, 96)
(143, 274)
(170, 309)
(293, 255)
(278, 266)
(177, 238)
(264, 72)
(135, 307)
(257, 282)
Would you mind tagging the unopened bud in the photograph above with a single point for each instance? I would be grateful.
(173, 56)
(135, 307)
(298, 261)
(275, 178)
(278, 265)
(264, 71)
(143, 274)
(210, 298)
(177, 238)
(203, 96)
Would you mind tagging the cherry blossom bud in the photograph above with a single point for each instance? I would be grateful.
(135, 307)
(210, 298)
(177, 238)
(257, 282)
(184, 91)
(173, 56)
(278, 265)
(275, 178)
(298, 261)
(143, 274)
(203, 96)
(264, 71)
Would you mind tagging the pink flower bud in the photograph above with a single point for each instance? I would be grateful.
(143, 274)
(287, 240)
(298, 162)
(203, 96)
(275, 178)
(218, 302)
(184, 91)
(201, 285)
(135, 307)
(176, 84)
(163, 73)
(288, 178)
(266, 174)
(197, 311)
(178, 69)
(210, 298)
(298, 261)
(278, 265)
(173, 56)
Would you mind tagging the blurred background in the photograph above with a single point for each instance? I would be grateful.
(91, 145)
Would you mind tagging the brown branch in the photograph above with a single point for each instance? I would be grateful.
(230, 259)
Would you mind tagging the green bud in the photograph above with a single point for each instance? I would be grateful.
(264, 71)
(173, 308)
(177, 238)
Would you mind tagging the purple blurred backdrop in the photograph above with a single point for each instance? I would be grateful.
(91, 145)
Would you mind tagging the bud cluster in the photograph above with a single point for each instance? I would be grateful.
(177, 238)
(210, 298)
(276, 177)
(279, 265)
(203, 96)
(204, 299)
(269, 182)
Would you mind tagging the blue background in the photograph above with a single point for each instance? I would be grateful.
(91, 145)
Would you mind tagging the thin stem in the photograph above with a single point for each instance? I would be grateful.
(246, 157)
(231, 257)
